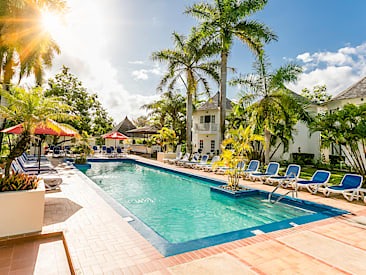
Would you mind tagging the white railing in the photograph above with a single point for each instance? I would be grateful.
(206, 127)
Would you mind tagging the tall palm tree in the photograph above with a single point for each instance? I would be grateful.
(190, 63)
(274, 104)
(25, 45)
(30, 108)
(224, 20)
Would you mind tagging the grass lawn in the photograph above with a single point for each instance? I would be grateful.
(307, 173)
(335, 177)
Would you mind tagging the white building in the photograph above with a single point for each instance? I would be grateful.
(205, 132)
(206, 129)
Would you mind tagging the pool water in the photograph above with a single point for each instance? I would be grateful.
(180, 208)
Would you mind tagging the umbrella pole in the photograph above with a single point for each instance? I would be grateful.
(39, 155)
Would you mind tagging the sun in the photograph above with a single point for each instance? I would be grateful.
(53, 24)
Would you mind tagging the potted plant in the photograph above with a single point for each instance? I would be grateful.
(235, 149)
(82, 150)
(167, 139)
(23, 198)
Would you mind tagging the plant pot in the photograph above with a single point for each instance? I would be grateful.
(22, 211)
(161, 156)
(83, 166)
(240, 193)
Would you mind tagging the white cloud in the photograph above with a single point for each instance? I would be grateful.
(337, 70)
(143, 74)
(136, 62)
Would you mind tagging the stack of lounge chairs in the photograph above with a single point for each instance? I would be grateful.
(27, 165)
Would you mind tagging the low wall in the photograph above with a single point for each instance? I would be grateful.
(22, 211)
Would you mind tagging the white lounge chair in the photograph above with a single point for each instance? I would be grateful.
(291, 175)
(349, 187)
(172, 161)
(203, 161)
(240, 166)
(272, 170)
(319, 179)
(253, 167)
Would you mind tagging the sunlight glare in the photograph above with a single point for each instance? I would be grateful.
(54, 25)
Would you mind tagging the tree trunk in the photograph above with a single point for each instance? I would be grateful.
(189, 107)
(19, 148)
(267, 140)
(223, 80)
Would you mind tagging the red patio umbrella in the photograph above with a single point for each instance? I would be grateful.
(50, 127)
(114, 135)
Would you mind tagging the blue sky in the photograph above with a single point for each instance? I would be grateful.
(108, 44)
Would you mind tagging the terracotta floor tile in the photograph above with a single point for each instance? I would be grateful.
(338, 254)
(218, 264)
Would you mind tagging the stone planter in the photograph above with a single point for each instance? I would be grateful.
(22, 211)
(161, 156)
(236, 194)
(83, 166)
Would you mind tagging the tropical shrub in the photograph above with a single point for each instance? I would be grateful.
(17, 182)
(347, 128)
(241, 145)
(167, 139)
(303, 158)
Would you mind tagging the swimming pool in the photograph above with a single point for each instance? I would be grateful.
(177, 212)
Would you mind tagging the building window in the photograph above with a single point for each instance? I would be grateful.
(212, 145)
(201, 144)
(201, 119)
(213, 119)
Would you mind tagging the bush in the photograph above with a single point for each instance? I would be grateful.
(80, 160)
(302, 158)
(17, 182)
(334, 159)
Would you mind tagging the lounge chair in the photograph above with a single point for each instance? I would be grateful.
(253, 167)
(34, 157)
(319, 179)
(171, 161)
(203, 161)
(272, 170)
(240, 166)
(18, 168)
(33, 164)
(349, 187)
(194, 160)
(183, 161)
(104, 149)
(57, 152)
(51, 181)
(208, 167)
(291, 175)
(109, 152)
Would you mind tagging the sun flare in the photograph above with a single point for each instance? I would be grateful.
(54, 24)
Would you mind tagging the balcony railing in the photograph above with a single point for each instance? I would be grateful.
(206, 127)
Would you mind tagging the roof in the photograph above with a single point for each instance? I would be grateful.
(152, 129)
(213, 103)
(124, 126)
(356, 90)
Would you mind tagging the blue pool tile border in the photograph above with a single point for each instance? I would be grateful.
(167, 248)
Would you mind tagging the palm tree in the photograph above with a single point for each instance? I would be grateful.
(224, 20)
(274, 104)
(170, 110)
(25, 46)
(189, 63)
(30, 108)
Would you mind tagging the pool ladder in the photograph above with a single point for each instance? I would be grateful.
(292, 192)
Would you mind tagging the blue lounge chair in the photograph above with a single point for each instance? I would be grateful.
(33, 164)
(349, 187)
(291, 175)
(209, 167)
(203, 161)
(253, 167)
(183, 161)
(34, 169)
(194, 160)
(172, 161)
(319, 179)
(109, 152)
(240, 166)
(271, 171)
(104, 149)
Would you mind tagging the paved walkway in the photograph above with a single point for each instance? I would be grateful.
(100, 241)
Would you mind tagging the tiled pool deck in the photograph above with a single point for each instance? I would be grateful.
(100, 241)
